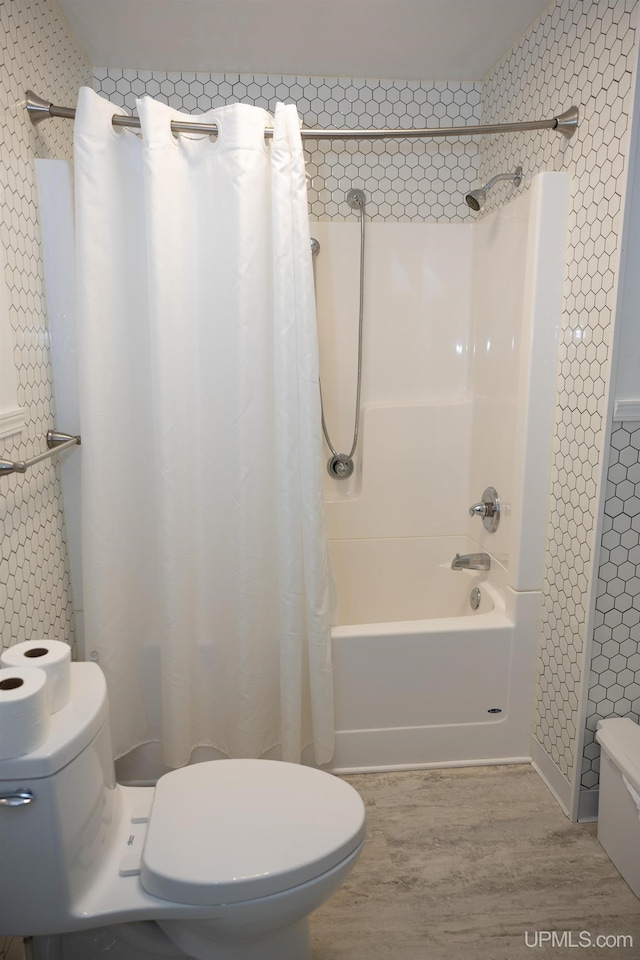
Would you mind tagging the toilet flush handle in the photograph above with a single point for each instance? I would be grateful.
(18, 799)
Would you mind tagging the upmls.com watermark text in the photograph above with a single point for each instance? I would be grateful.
(563, 939)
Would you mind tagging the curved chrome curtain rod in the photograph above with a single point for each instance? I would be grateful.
(566, 124)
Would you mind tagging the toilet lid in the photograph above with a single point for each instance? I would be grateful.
(226, 831)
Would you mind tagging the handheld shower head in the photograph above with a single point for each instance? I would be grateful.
(476, 198)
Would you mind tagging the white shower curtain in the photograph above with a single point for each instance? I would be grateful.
(205, 564)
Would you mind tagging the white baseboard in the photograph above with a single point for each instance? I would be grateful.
(588, 805)
(551, 775)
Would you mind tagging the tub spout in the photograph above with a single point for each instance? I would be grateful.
(471, 561)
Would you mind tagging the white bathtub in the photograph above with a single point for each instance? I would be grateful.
(421, 679)
(419, 676)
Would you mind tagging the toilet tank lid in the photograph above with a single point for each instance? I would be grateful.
(619, 737)
(71, 729)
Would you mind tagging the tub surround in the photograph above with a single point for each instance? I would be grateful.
(416, 679)
(395, 579)
(417, 314)
(460, 336)
(518, 269)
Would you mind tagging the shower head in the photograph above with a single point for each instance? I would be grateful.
(476, 198)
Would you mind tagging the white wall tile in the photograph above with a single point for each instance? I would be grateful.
(583, 54)
(35, 599)
(614, 680)
(404, 180)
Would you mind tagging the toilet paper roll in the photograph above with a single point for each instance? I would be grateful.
(51, 656)
(24, 710)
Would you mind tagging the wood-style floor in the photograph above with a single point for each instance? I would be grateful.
(472, 864)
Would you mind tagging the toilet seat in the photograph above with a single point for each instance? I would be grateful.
(226, 831)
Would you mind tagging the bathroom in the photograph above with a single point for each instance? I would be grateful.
(585, 664)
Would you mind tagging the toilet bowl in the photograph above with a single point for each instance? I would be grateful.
(222, 860)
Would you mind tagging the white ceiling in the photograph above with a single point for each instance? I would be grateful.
(394, 39)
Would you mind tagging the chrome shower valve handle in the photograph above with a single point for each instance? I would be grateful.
(488, 509)
(482, 510)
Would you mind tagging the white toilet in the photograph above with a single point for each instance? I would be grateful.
(221, 860)
(619, 799)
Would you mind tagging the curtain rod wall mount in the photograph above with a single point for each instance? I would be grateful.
(565, 123)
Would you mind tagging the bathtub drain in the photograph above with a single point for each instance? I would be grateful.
(474, 598)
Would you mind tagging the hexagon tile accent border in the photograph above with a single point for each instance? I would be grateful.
(421, 180)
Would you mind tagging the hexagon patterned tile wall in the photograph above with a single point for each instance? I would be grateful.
(404, 180)
(578, 52)
(582, 54)
(614, 682)
(35, 597)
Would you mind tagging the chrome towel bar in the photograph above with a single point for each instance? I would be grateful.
(55, 441)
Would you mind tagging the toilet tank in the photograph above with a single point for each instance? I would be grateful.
(52, 847)
(619, 801)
